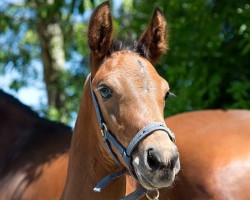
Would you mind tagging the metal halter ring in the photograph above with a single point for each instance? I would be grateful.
(104, 128)
(154, 198)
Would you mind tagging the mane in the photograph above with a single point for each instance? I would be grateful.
(129, 45)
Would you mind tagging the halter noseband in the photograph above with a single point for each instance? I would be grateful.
(109, 139)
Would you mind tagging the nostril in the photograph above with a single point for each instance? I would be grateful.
(173, 161)
(152, 159)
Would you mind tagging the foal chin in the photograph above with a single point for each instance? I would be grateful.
(156, 161)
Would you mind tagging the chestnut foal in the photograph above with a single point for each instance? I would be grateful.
(120, 125)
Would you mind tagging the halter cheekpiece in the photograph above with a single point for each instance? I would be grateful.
(110, 140)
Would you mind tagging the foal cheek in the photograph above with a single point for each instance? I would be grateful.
(119, 129)
(113, 119)
(115, 126)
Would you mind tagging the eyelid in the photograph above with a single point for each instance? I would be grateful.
(102, 86)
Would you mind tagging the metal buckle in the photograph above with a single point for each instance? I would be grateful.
(103, 129)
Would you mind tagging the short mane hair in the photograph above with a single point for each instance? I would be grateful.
(130, 45)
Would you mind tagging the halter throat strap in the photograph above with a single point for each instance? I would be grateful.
(110, 140)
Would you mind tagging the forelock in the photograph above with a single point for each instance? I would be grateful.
(129, 45)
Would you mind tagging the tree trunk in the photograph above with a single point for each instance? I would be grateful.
(53, 58)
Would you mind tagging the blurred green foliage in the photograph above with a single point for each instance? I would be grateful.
(207, 65)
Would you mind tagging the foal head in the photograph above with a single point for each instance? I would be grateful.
(132, 95)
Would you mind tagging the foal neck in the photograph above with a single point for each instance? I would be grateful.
(89, 160)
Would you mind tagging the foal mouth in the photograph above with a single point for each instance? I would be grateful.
(147, 184)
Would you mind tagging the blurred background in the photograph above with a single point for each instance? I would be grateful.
(44, 51)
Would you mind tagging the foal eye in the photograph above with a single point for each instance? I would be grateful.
(106, 92)
(166, 96)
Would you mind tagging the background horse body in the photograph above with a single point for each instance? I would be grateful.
(215, 154)
(33, 153)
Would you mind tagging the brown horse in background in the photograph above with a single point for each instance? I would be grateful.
(33, 153)
(214, 148)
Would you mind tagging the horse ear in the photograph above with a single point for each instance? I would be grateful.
(155, 37)
(100, 30)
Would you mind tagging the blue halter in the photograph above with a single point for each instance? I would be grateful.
(126, 153)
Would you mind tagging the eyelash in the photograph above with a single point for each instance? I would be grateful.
(169, 94)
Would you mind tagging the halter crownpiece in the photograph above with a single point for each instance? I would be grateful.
(126, 153)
